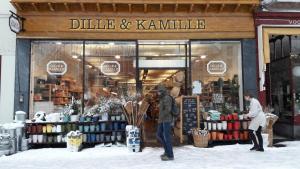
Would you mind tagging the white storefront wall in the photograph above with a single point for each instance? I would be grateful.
(7, 50)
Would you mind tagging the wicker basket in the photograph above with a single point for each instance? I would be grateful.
(200, 140)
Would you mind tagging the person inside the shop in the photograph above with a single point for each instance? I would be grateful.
(164, 128)
(258, 121)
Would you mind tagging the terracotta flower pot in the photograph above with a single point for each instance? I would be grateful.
(220, 136)
(214, 135)
(236, 135)
(242, 136)
(225, 137)
(222, 117)
(235, 116)
(236, 125)
(229, 126)
(229, 117)
(246, 135)
(225, 117)
(229, 136)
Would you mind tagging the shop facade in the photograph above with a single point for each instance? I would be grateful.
(278, 39)
(90, 49)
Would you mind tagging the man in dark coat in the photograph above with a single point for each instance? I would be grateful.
(164, 123)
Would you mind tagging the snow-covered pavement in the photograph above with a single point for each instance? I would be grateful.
(219, 157)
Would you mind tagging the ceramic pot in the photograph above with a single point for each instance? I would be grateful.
(92, 128)
(214, 135)
(236, 135)
(49, 128)
(59, 138)
(86, 128)
(39, 128)
(34, 138)
(220, 136)
(236, 125)
(229, 126)
(58, 128)
(81, 128)
(214, 126)
(209, 125)
(81, 118)
(44, 129)
(74, 118)
(113, 118)
(224, 125)
(40, 138)
(219, 126)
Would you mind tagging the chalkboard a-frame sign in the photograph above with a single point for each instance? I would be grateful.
(189, 114)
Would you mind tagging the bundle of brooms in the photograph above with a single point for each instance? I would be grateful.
(134, 112)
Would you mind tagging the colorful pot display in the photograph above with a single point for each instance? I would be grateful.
(229, 126)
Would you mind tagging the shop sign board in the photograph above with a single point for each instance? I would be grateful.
(138, 24)
(15, 23)
(216, 67)
(57, 67)
(189, 114)
(110, 68)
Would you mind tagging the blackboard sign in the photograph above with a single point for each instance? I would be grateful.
(190, 117)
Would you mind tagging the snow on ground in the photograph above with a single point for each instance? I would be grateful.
(219, 157)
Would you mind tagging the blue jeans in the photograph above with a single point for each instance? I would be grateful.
(165, 137)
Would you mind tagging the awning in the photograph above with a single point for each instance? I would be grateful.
(204, 6)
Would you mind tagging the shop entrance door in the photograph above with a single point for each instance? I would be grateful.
(149, 79)
(159, 62)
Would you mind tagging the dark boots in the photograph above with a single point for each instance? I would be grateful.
(257, 146)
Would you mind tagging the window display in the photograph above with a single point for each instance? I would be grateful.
(56, 75)
(216, 69)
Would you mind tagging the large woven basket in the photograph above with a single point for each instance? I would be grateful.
(200, 140)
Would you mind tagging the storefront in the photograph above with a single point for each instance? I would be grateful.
(89, 50)
(278, 45)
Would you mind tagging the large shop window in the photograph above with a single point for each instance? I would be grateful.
(110, 75)
(216, 74)
(56, 75)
